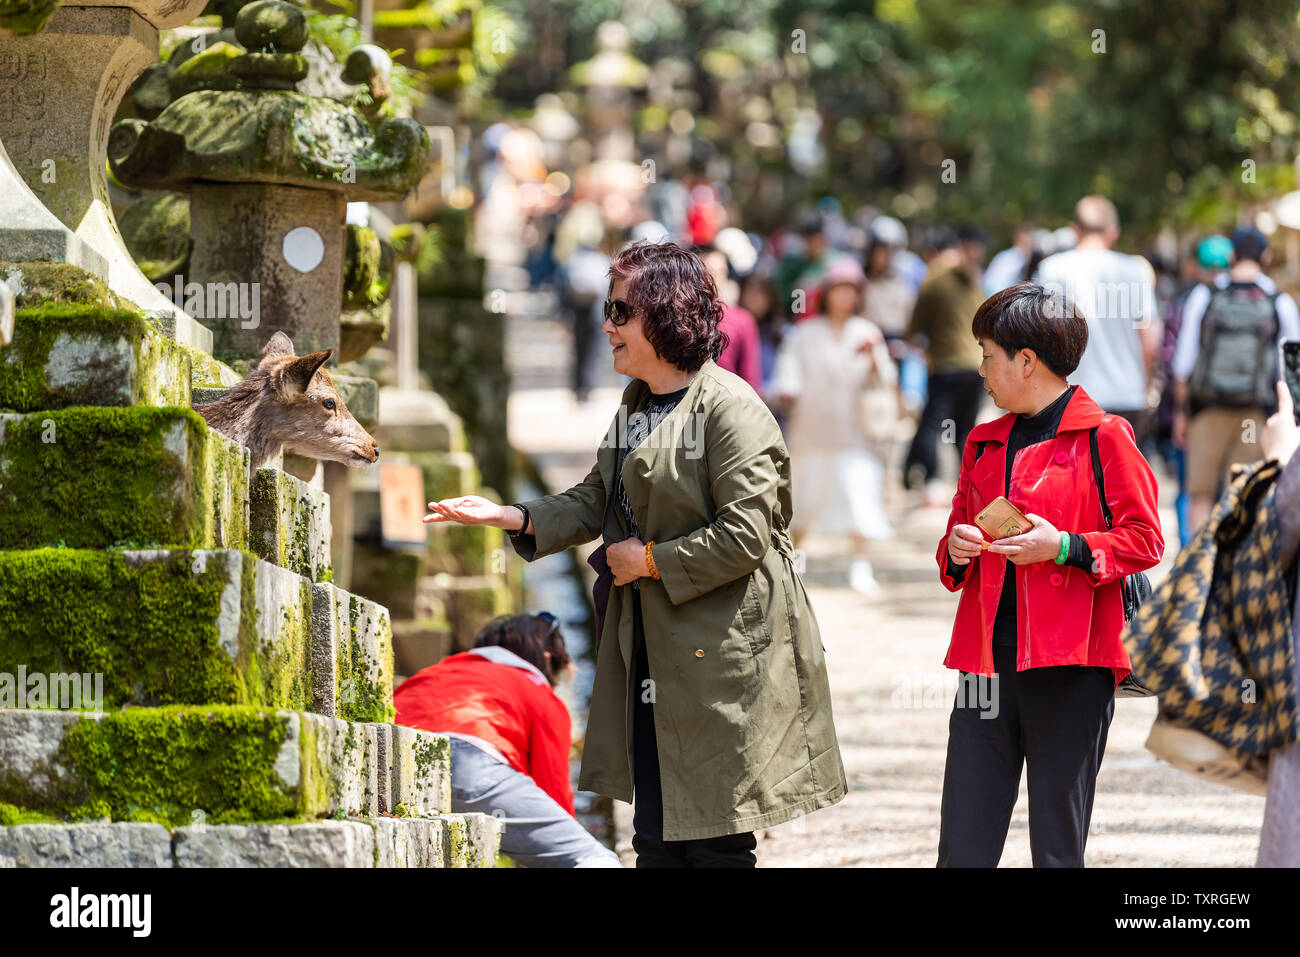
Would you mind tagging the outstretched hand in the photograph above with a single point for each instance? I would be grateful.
(469, 510)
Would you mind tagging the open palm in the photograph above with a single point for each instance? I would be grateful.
(465, 510)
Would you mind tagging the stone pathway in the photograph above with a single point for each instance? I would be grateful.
(892, 695)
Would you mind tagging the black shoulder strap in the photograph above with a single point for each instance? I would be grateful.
(1097, 475)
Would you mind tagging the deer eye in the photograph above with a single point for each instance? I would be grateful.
(329, 404)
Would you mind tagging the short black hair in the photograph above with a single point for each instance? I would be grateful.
(1249, 243)
(1027, 316)
(941, 238)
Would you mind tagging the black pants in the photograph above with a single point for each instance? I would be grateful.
(731, 850)
(1054, 720)
(951, 395)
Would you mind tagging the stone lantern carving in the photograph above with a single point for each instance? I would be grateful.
(59, 88)
(269, 171)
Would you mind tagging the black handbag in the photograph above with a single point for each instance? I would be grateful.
(1134, 589)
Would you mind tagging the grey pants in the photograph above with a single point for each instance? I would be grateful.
(535, 832)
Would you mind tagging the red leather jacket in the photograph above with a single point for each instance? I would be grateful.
(1064, 615)
(511, 707)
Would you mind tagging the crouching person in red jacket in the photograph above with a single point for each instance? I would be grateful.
(509, 738)
(1037, 634)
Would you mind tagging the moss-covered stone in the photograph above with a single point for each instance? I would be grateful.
(42, 283)
(170, 765)
(269, 136)
(206, 70)
(469, 550)
(162, 627)
(156, 230)
(363, 283)
(289, 523)
(352, 654)
(421, 772)
(74, 354)
(271, 25)
(388, 577)
(25, 17)
(105, 477)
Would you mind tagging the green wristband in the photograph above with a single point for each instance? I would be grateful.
(1065, 549)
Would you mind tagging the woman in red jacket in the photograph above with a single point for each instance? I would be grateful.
(1037, 634)
(509, 738)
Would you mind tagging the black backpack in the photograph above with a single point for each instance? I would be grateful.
(1237, 363)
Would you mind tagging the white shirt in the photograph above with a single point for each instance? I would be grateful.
(826, 375)
(1004, 270)
(1188, 346)
(1116, 293)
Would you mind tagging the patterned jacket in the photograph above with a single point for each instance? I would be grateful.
(1214, 641)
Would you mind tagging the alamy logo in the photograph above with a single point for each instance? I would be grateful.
(217, 300)
(67, 691)
(646, 432)
(133, 911)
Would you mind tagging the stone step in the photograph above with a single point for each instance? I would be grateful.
(76, 344)
(194, 627)
(352, 655)
(450, 840)
(73, 355)
(224, 764)
(125, 844)
(289, 523)
(105, 477)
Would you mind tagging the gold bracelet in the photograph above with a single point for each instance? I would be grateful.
(650, 561)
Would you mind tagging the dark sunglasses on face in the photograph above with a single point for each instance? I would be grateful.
(617, 311)
(551, 620)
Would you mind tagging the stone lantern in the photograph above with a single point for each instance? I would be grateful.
(58, 90)
(269, 172)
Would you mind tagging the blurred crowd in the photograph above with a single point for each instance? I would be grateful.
(856, 331)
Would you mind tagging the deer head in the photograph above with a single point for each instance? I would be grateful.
(289, 401)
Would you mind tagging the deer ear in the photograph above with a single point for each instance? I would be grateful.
(297, 374)
(278, 345)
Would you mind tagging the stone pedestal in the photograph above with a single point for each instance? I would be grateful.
(290, 243)
(30, 231)
(58, 92)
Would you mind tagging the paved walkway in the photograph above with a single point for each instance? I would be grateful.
(892, 695)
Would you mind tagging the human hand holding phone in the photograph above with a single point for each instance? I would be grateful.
(1281, 434)
(964, 543)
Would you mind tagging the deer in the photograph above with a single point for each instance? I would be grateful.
(288, 402)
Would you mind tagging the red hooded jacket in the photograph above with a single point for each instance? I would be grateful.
(510, 706)
(1064, 615)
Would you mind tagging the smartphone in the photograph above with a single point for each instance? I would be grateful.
(1291, 372)
(1001, 519)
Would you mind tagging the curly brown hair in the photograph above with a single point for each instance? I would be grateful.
(672, 291)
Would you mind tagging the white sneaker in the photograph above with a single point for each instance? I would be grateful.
(862, 578)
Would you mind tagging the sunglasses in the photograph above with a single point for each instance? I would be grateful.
(550, 619)
(617, 311)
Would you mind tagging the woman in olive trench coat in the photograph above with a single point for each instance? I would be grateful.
(742, 710)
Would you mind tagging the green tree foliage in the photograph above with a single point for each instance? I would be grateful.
(1034, 103)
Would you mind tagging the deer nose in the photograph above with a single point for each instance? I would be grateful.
(376, 450)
